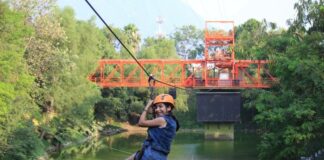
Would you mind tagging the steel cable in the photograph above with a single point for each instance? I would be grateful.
(129, 52)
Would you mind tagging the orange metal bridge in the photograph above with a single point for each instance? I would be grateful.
(218, 70)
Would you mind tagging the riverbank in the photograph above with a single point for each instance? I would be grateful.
(101, 129)
(106, 130)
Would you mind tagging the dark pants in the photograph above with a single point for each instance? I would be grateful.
(150, 154)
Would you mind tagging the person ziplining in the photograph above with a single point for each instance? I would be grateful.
(161, 130)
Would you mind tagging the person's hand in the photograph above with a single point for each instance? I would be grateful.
(148, 106)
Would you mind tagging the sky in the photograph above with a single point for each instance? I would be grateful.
(176, 13)
(241, 10)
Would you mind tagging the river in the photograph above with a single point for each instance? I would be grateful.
(186, 146)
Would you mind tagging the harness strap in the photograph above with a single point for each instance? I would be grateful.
(151, 82)
(139, 154)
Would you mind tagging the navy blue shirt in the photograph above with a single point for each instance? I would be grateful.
(161, 138)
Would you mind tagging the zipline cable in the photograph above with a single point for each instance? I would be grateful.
(129, 52)
(121, 151)
(94, 10)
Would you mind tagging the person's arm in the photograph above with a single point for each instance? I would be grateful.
(157, 122)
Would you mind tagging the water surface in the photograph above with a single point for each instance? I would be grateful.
(186, 146)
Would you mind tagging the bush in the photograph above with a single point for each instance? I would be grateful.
(24, 144)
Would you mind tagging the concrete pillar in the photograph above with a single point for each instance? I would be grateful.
(219, 131)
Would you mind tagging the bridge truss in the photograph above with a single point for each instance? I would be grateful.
(218, 70)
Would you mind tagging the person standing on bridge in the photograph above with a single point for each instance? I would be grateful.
(161, 130)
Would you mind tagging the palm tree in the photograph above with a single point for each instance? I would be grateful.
(133, 38)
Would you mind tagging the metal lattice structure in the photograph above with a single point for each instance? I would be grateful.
(218, 70)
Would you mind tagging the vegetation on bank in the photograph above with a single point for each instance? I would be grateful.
(45, 99)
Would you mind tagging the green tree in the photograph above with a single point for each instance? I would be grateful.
(86, 44)
(24, 144)
(16, 106)
(133, 38)
(291, 114)
(158, 48)
(61, 54)
(189, 41)
(250, 39)
(44, 54)
(309, 18)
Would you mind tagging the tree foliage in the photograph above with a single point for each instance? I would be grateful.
(290, 114)
(189, 41)
(46, 55)
(158, 48)
(16, 107)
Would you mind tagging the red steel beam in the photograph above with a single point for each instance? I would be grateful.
(182, 73)
(223, 72)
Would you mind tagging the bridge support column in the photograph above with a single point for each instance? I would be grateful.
(219, 131)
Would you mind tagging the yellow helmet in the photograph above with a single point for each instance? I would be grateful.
(164, 98)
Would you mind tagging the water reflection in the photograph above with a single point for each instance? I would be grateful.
(187, 146)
